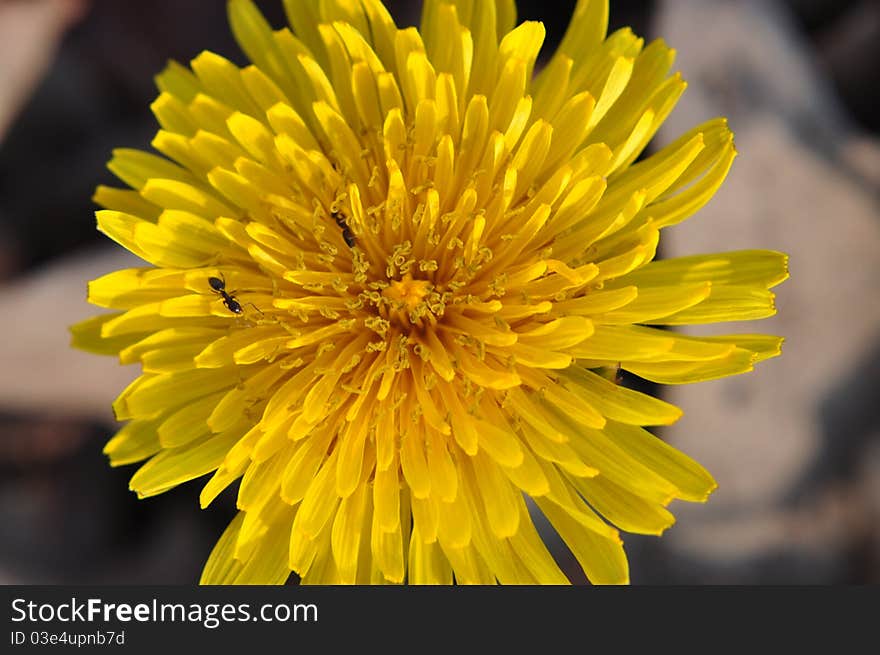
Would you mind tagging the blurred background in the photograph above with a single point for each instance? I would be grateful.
(795, 446)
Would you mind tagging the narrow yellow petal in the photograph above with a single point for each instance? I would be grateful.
(387, 552)
(188, 423)
(484, 373)
(87, 335)
(673, 210)
(602, 560)
(685, 372)
(155, 393)
(654, 303)
(424, 514)
(762, 346)
(348, 528)
(136, 441)
(576, 406)
(597, 302)
(304, 18)
(125, 201)
(558, 453)
(303, 466)
(528, 476)
(620, 403)
(764, 268)
(598, 451)
(482, 23)
(221, 78)
(625, 510)
(441, 468)
(559, 334)
(254, 35)
(266, 563)
(499, 442)
(496, 495)
(530, 548)
(463, 428)
(726, 303)
(691, 480)
(222, 478)
(222, 566)
(178, 81)
(135, 168)
(386, 499)
(261, 481)
(173, 114)
(523, 42)
(467, 564)
(349, 465)
(175, 466)
(427, 564)
(414, 465)
(454, 522)
(320, 500)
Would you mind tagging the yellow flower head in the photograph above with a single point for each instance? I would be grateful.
(389, 271)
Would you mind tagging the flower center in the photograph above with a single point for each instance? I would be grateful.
(411, 302)
(408, 292)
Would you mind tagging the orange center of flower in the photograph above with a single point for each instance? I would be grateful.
(406, 301)
(407, 292)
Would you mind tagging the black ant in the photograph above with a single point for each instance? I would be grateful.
(218, 284)
(347, 235)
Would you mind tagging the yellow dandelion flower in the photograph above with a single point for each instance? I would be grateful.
(388, 268)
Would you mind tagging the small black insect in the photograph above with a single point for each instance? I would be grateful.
(218, 284)
(347, 234)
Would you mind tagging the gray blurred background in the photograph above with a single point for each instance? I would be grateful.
(795, 446)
